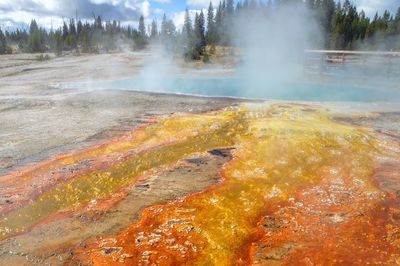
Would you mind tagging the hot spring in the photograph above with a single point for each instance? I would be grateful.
(334, 88)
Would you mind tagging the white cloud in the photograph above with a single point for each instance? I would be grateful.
(50, 12)
(24, 17)
(50, 5)
(179, 17)
(146, 8)
(110, 2)
(202, 3)
(372, 6)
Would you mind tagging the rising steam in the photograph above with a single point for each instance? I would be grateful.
(274, 46)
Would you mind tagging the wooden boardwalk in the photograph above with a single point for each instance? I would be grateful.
(345, 52)
(353, 63)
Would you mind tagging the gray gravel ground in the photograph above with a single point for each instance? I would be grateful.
(39, 120)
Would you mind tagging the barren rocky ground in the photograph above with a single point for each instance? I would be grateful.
(39, 120)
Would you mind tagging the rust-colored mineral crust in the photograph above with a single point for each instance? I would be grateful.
(301, 190)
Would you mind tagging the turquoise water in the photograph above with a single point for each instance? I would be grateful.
(328, 90)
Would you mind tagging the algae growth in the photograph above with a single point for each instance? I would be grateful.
(279, 150)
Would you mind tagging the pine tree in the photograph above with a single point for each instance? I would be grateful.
(71, 40)
(211, 38)
(59, 43)
(154, 30)
(142, 26)
(226, 22)
(3, 43)
(98, 23)
(327, 14)
(65, 31)
(349, 26)
(168, 34)
(199, 32)
(397, 21)
(187, 25)
(72, 28)
(164, 26)
(196, 45)
(396, 30)
(191, 50)
(79, 28)
(35, 40)
(363, 26)
(33, 27)
(85, 39)
(337, 28)
(139, 36)
(219, 23)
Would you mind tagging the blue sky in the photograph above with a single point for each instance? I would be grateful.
(52, 12)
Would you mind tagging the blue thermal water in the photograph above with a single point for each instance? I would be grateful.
(338, 89)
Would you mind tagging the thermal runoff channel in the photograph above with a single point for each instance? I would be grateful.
(300, 188)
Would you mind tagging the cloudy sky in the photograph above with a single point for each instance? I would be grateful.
(18, 13)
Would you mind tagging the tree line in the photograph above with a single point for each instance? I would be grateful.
(342, 27)
(74, 36)
(346, 28)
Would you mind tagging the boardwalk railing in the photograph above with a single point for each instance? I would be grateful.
(353, 63)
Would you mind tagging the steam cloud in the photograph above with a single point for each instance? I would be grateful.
(272, 52)
(274, 46)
